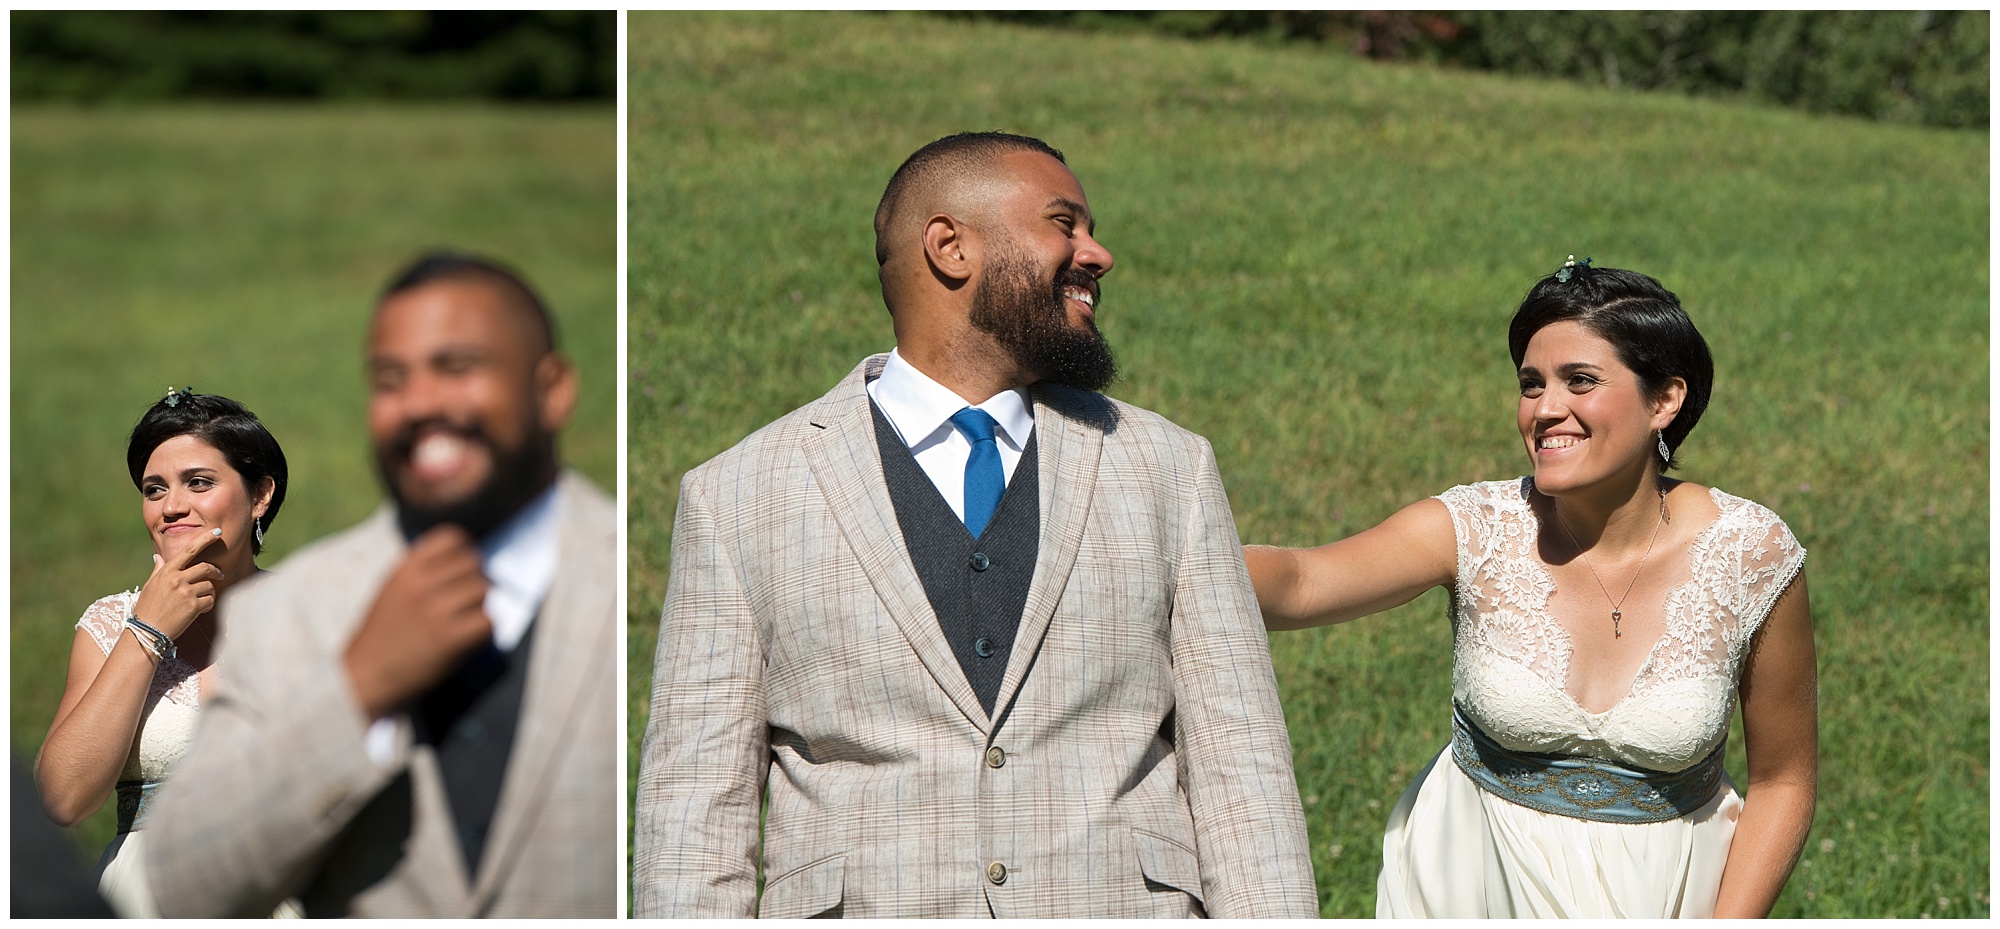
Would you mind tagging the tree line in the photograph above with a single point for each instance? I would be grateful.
(1925, 66)
(147, 55)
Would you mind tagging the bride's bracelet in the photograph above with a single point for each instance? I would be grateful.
(151, 639)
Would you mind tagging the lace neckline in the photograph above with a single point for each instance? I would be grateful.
(1698, 552)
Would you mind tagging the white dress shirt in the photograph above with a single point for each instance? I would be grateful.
(519, 561)
(920, 409)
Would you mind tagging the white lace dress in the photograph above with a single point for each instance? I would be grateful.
(166, 728)
(1455, 850)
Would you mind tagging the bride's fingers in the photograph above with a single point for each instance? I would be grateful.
(194, 548)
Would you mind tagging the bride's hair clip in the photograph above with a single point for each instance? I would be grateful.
(1569, 268)
(176, 394)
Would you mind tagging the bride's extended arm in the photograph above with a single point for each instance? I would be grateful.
(1387, 566)
(94, 725)
(1780, 694)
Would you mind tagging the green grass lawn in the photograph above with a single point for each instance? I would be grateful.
(239, 250)
(1317, 259)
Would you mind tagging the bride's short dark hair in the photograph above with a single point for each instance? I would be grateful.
(1642, 320)
(224, 425)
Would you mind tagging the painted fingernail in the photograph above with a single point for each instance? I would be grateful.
(214, 532)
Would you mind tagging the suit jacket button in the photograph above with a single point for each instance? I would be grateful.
(980, 562)
(995, 757)
(983, 647)
(997, 873)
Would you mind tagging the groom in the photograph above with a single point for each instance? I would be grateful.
(982, 634)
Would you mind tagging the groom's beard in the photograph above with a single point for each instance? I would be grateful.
(1031, 321)
(518, 475)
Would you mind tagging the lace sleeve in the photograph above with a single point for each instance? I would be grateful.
(1767, 560)
(1470, 506)
(1483, 517)
(105, 619)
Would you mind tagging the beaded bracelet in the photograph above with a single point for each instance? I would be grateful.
(161, 645)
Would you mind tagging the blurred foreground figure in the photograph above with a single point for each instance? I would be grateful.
(419, 714)
(46, 877)
(983, 633)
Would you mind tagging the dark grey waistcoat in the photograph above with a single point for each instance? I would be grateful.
(977, 587)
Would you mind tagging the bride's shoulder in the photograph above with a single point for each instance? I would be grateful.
(1753, 524)
(1501, 495)
(119, 603)
(104, 619)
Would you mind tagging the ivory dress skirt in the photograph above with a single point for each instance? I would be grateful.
(1454, 850)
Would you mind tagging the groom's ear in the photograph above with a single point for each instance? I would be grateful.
(951, 247)
(555, 391)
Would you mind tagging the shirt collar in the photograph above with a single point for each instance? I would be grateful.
(918, 407)
(519, 559)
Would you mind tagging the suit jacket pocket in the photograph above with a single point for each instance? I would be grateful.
(812, 891)
(1168, 865)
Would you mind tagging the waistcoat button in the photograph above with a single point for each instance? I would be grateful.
(980, 562)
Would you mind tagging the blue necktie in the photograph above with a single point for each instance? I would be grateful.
(983, 480)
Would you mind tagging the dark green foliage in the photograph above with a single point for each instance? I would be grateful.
(1926, 67)
(162, 55)
(1916, 66)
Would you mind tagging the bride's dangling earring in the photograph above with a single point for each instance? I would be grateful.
(1666, 459)
(257, 529)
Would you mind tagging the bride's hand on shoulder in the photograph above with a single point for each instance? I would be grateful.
(1371, 571)
(180, 588)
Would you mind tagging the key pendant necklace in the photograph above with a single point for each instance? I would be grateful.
(1618, 605)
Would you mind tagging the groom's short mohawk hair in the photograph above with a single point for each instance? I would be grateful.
(448, 265)
(932, 166)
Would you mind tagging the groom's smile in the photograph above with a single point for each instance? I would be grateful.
(439, 456)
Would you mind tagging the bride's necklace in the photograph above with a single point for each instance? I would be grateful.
(1617, 606)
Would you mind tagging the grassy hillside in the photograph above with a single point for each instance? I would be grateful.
(239, 250)
(1317, 259)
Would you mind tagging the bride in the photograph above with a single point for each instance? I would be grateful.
(1606, 620)
(210, 480)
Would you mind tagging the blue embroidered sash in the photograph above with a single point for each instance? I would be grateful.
(1581, 788)
(135, 802)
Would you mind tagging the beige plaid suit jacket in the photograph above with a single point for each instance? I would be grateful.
(1136, 763)
(278, 797)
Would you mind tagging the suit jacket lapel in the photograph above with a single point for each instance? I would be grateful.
(1068, 476)
(847, 465)
(574, 637)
